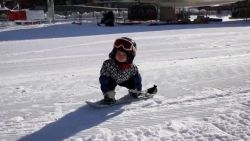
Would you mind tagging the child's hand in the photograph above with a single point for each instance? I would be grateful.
(152, 90)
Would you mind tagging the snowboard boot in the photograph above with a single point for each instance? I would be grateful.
(139, 94)
(109, 98)
(134, 93)
(108, 101)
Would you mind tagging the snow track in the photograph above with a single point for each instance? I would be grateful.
(202, 76)
(175, 118)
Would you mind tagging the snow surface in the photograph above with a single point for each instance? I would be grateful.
(202, 72)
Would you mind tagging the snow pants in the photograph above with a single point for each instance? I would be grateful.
(109, 84)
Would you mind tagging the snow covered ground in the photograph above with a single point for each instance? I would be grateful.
(202, 72)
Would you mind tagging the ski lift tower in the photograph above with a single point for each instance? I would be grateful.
(51, 11)
(158, 3)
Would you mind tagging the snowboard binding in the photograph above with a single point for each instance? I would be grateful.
(148, 93)
(141, 95)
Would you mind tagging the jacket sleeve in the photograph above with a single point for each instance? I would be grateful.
(105, 71)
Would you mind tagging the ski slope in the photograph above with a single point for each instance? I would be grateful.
(202, 73)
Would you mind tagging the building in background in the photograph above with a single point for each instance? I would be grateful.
(162, 10)
(24, 4)
(241, 9)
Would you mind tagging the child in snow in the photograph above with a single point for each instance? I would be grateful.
(120, 70)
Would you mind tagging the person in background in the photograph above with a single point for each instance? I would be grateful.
(108, 19)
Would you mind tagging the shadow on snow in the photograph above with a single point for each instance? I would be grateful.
(83, 118)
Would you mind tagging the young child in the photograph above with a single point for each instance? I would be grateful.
(120, 70)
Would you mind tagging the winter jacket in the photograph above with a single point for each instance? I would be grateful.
(111, 69)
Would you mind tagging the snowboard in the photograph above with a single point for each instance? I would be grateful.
(127, 99)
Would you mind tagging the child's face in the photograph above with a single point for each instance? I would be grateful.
(121, 56)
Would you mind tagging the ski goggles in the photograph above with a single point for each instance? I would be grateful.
(125, 44)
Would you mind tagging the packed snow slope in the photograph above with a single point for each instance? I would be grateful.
(202, 73)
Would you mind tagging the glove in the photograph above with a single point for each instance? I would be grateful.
(152, 90)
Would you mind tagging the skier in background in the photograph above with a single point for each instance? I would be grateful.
(108, 19)
(120, 70)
